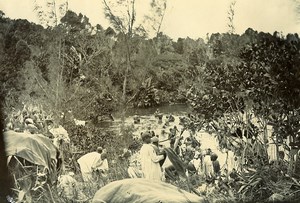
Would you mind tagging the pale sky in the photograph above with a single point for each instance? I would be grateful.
(192, 18)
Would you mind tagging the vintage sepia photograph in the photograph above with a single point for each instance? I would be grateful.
(149, 101)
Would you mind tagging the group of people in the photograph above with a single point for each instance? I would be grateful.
(211, 165)
(154, 163)
(31, 119)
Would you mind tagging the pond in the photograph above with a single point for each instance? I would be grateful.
(145, 114)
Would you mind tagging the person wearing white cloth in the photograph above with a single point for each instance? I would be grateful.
(207, 165)
(149, 160)
(89, 162)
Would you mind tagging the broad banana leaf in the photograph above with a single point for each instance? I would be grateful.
(35, 148)
(141, 190)
(176, 161)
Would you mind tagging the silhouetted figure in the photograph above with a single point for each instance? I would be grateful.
(136, 119)
(158, 115)
(171, 118)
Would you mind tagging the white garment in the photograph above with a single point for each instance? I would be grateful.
(207, 166)
(88, 161)
(150, 163)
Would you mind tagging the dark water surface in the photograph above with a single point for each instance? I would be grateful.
(146, 114)
(175, 109)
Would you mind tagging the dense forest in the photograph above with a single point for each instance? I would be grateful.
(228, 79)
(77, 62)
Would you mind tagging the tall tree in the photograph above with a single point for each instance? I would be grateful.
(123, 18)
(49, 14)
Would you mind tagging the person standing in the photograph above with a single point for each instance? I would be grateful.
(207, 165)
(172, 137)
(215, 164)
(149, 160)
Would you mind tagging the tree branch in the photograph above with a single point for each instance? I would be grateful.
(114, 18)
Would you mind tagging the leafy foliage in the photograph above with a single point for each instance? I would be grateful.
(237, 84)
(240, 91)
(261, 184)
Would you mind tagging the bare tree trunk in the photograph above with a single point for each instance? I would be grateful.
(124, 93)
(125, 82)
